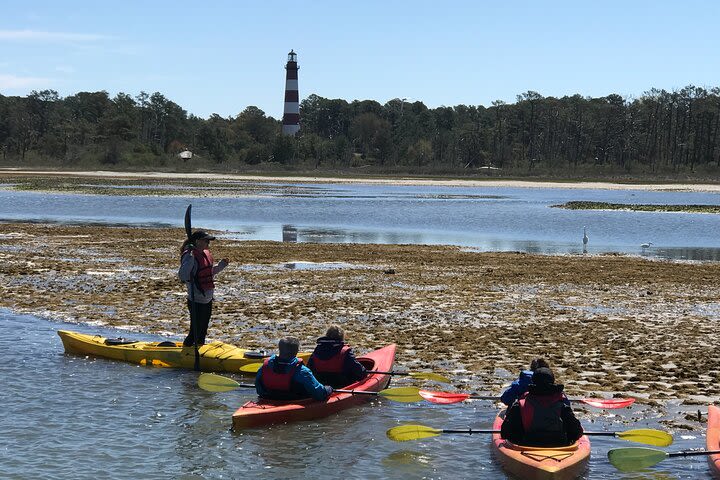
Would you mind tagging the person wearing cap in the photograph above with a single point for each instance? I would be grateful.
(541, 417)
(520, 386)
(197, 271)
(284, 377)
(333, 362)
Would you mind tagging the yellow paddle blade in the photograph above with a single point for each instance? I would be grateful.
(216, 383)
(251, 367)
(402, 394)
(647, 436)
(404, 433)
(435, 377)
(631, 459)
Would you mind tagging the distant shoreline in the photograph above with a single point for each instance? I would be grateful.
(595, 185)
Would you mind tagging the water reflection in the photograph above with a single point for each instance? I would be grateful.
(289, 234)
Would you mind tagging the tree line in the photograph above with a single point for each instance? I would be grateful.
(660, 132)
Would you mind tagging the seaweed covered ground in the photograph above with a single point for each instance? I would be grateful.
(610, 325)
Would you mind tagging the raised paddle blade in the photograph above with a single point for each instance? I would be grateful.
(401, 394)
(188, 224)
(251, 368)
(647, 436)
(607, 403)
(404, 433)
(635, 458)
(443, 398)
(216, 383)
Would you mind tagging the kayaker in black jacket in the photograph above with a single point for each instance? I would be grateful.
(541, 417)
(333, 362)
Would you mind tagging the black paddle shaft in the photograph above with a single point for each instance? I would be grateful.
(193, 308)
(471, 431)
(693, 453)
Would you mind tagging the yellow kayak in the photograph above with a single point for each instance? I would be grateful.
(214, 357)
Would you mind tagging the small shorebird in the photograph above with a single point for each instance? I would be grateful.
(585, 237)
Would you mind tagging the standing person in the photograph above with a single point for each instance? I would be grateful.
(333, 362)
(541, 417)
(284, 377)
(197, 270)
(520, 386)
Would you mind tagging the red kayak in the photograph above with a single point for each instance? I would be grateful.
(541, 463)
(266, 412)
(713, 439)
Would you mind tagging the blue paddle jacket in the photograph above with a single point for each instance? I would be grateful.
(303, 383)
(519, 387)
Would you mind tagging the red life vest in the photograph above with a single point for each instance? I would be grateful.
(203, 275)
(541, 419)
(333, 364)
(278, 382)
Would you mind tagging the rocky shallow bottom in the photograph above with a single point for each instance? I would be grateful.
(609, 325)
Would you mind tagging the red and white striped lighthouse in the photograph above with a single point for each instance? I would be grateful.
(291, 113)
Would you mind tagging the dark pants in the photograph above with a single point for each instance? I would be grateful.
(199, 321)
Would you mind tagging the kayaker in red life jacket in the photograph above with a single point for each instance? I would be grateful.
(197, 270)
(541, 417)
(333, 362)
(284, 377)
(520, 386)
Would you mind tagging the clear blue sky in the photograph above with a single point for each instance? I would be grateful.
(222, 56)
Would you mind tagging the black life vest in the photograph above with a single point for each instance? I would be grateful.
(542, 421)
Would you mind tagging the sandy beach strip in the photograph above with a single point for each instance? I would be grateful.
(410, 181)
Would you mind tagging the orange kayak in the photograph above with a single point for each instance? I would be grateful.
(265, 412)
(541, 463)
(713, 439)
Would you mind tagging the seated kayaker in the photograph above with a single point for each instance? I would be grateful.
(284, 377)
(541, 417)
(520, 386)
(333, 362)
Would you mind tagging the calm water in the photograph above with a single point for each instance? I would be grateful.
(68, 417)
(491, 219)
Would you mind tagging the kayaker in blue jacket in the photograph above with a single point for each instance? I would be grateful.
(333, 362)
(541, 417)
(284, 377)
(520, 386)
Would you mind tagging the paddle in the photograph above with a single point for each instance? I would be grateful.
(658, 438)
(254, 367)
(446, 398)
(637, 458)
(217, 383)
(193, 309)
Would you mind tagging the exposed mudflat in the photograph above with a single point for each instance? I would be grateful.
(610, 325)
